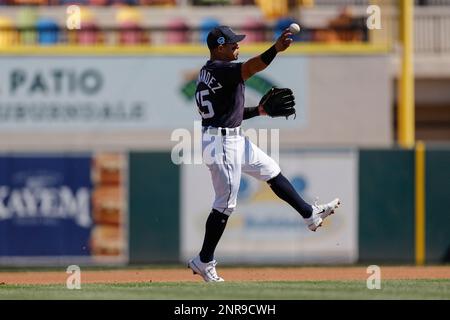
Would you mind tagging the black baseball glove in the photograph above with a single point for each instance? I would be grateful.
(278, 102)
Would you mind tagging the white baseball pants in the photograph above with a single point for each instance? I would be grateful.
(227, 156)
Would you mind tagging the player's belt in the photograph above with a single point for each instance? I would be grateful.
(223, 131)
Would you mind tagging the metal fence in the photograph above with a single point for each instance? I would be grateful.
(432, 33)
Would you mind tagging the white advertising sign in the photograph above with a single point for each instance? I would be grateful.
(264, 229)
(86, 94)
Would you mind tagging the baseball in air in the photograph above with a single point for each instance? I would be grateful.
(294, 28)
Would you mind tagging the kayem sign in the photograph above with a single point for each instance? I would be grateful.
(43, 200)
(61, 207)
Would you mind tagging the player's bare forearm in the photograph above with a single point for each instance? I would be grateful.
(259, 63)
(252, 66)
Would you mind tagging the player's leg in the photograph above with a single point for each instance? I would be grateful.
(259, 165)
(225, 174)
(223, 158)
(313, 214)
(223, 178)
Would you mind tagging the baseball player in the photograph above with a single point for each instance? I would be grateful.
(220, 102)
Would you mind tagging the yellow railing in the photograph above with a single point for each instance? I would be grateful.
(296, 49)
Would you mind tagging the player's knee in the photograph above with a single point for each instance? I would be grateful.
(226, 211)
(273, 179)
(271, 171)
(224, 217)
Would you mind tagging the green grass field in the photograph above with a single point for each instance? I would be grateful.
(302, 290)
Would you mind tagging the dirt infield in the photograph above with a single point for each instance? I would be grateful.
(229, 274)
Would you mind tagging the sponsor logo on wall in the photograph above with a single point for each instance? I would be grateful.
(107, 93)
(62, 206)
(265, 229)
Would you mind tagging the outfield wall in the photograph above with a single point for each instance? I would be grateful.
(387, 204)
(376, 223)
(62, 208)
(263, 228)
(114, 208)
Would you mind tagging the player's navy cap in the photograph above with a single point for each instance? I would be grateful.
(221, 35)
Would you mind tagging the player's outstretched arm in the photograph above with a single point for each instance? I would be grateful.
(259, 63)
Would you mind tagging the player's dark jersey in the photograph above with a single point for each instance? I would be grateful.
(220, 94)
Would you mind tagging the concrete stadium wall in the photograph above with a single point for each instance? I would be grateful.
(59, 208)
(349, 103)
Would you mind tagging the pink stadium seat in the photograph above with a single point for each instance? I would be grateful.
(99, 2)
(132, 33)
(255, 30)
(89, 34)
(129, 21)
(178, 31)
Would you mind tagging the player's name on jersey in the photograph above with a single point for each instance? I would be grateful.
(209, 80)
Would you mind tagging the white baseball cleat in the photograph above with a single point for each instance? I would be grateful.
(206, 270)
(320, 212)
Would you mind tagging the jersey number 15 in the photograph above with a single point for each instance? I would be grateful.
(205, 107)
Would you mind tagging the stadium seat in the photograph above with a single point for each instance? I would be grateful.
(126, 14)
(47, 30)
(244, 2)
(99, 2)
(89, 33)
(205, 26)
(177, 31)
(27, 18)
(28, 2)
(132, 33)
(129, 21)
(77, 2)
(124, 2)
(210, 2)
(254, 29)
(273, 9)
(158, 2)
(347, 27)
(8, 36)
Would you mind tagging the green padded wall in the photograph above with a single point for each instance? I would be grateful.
(437, 216)
(386, 206)
(154, 205)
